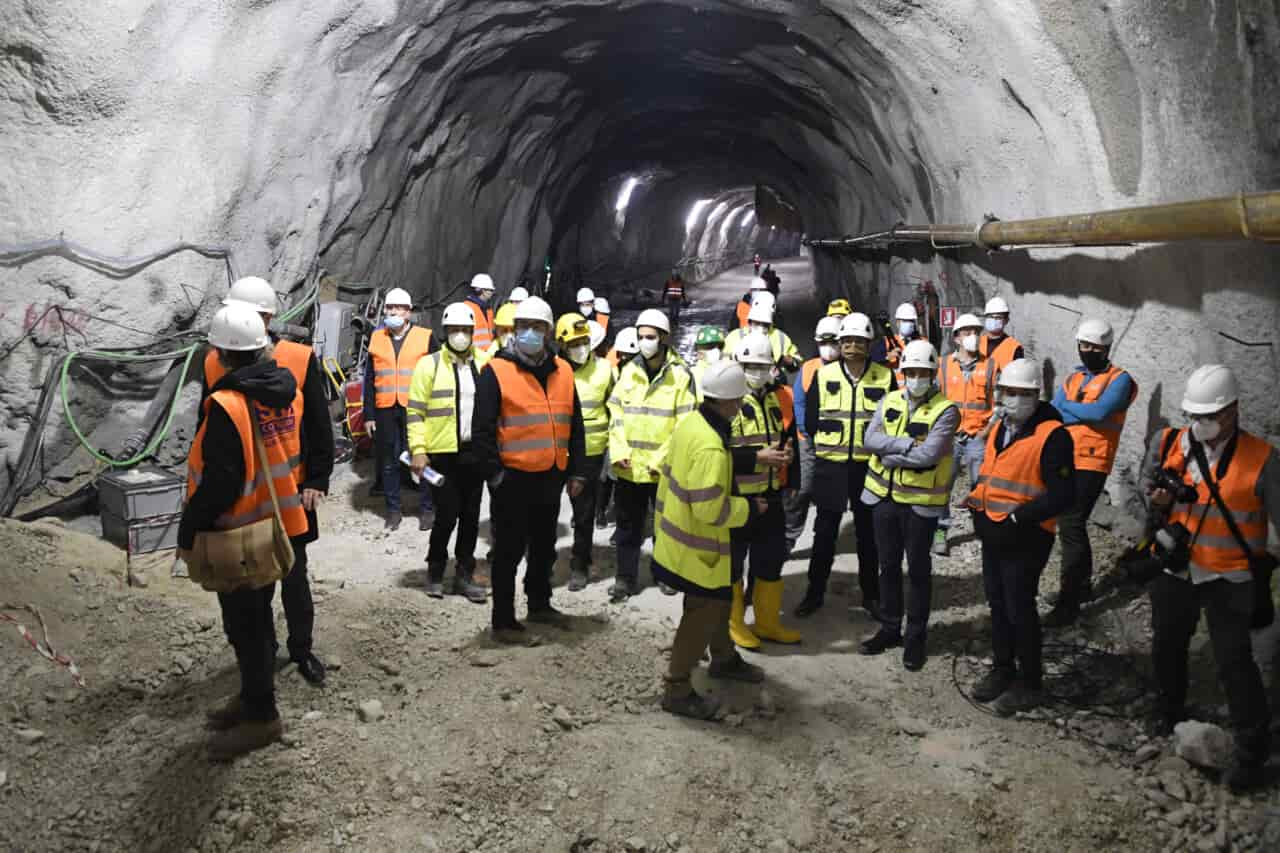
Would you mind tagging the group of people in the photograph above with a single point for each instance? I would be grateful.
(730, 454)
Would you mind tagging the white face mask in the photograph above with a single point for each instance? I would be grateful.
(907, 328)
(757, 377)
(918, 386)
(1205, 430)
(585, 308)
(969, 342)
(995, 325)
(649, 347)
(828, 352)
(578, 354)
(1018, 409)
(711, 356)
(459, 341)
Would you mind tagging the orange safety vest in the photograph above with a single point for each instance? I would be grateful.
(1213, 548)
(1096, 443)
(973, 394)
(674, 288)
(603, 320)
(534, 423)
(392, 373)
(744, 308)
(254, 503)
(483, 334)
(1011, 477)
(807, 371)
(1003, 353)
(293, 357)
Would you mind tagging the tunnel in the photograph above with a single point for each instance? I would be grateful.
(153, 152)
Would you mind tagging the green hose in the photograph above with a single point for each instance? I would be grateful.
(64, 387)
(302, 306)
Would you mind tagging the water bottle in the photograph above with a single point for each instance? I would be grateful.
(431, 475)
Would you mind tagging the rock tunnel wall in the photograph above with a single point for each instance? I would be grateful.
(417, 143)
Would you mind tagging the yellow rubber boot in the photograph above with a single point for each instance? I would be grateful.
(768, 605)
(738, 630)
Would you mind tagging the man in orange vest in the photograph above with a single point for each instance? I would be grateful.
(743, 308)
(968, 378)
(480, 301)
(311, 456)
(1027, 480)
(1093, 402)
(394, 351)
(227, 489)
(1223, 571)
(996, 343)
(527, 436)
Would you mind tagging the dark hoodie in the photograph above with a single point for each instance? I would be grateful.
(267, 383)
(1057, 469)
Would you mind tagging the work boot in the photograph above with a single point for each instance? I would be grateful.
(464, 585)
(244, 737)
(768, 606)
(691, 705)
(435, 580)
(622, 589)
(426, 518)
(810, 604)
(1019, 697)
(1062, 615)
(548, 615)
(734, 668)
(1242, 778)
(913, 655)
(225, 716)
(738, 630)
(579, 575)
(510, 633)
(311, 669)
(879, 642)
(393, 520)
(940, 546)
(997, 680)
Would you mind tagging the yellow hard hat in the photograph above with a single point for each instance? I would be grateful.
(506, 316)
(571, 327)
(839, 308)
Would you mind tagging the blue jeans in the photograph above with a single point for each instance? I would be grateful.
(390, 439)
(969, 453)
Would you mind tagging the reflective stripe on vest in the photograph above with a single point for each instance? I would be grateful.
(254, 502)
(482, 333)
(973, 394)
(1213, 548)
(921, 487)
(760, 425)
(845, 410)
(643, 414)
(435, 415)
(533, 422)
(392, 373)
(1011, 477)
(594, 381)
(1096, 443)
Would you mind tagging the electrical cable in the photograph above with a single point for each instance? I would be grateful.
(114, 267)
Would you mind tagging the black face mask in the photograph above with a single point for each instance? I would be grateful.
(1094, 362)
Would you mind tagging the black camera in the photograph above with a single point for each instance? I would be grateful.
(1171, 481)
(1168, 548)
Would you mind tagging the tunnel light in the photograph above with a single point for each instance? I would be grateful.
(749, 218)
(728, 223)
(694, 212)
(624, 197)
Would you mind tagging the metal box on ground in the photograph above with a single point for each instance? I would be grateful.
(144, 535)
(334, 336)
(141, 493)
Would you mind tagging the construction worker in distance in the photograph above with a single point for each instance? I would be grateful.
(839, 403)
(696, 511)
(1225, 571)
(968, 378)
(674, 297)
(442, 400)
(227, 490)
(907, 329)
(311, 449)
(762, 436)
(1093, 403)
(839, 308)
(394, 351)
(593, 379)
(995, 343)
(601, 313)
(480, 302)
(586, 303)
(827, 337)
(760, 319)
(528, 439)
(709, 347)
(756, 263)
(910, 439)
(519, 294)
(1027, 481)
(653, 393)
(739, 321)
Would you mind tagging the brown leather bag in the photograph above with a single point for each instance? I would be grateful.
(254, 555)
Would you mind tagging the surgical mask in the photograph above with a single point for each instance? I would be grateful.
(578, 354)
(1018, 409)
(1094, 362)
(1205, 430)
(529, 341)
(907, 328)
(393, 321)
(459, 341)
(969, 342)
(828, 352)
(918, 386)
(711, 356)
(649, 347)
(586, 308)
(757, 377)
(994, 325)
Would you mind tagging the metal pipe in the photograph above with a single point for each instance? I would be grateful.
(1240, 217)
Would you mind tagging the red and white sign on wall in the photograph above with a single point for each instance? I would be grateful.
(947, 316)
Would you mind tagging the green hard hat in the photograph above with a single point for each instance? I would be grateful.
(709, 336)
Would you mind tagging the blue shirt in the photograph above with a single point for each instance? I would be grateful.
(1114, 399)
(797, 391)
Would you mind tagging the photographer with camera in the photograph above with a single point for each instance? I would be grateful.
(1219, 485)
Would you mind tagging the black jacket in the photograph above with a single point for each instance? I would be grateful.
(484, 434)
(1057, 470)
(272, 386)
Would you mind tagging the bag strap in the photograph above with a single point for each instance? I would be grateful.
(266, 467)
(1197, 450)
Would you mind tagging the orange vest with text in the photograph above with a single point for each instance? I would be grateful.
(533, 422)
(1011, 477)
(392, 373)
(1096, 443)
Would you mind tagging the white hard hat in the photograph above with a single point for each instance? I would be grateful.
(535, 308)
(238, 327)
(1095, 331)
(919, 353)
(458, 314)
(518, 295)
(597, 333)
(996, 305)
(398, 296)
(1210, 389)
(585, 295)
(601, 305)
(482, 281)
(968, 321)
(906, 311)
(654, 318)
(764, 297)
(754, 349)
(828, 327)
(855, 325)
(627, 342)
(761, 312)
(724, 380)
(1021, 373)
(253, 291)
(758, 283)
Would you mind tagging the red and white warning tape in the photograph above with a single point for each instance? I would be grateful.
(44, 648)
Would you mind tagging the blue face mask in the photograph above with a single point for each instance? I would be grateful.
(529, 341)
(393, 321)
